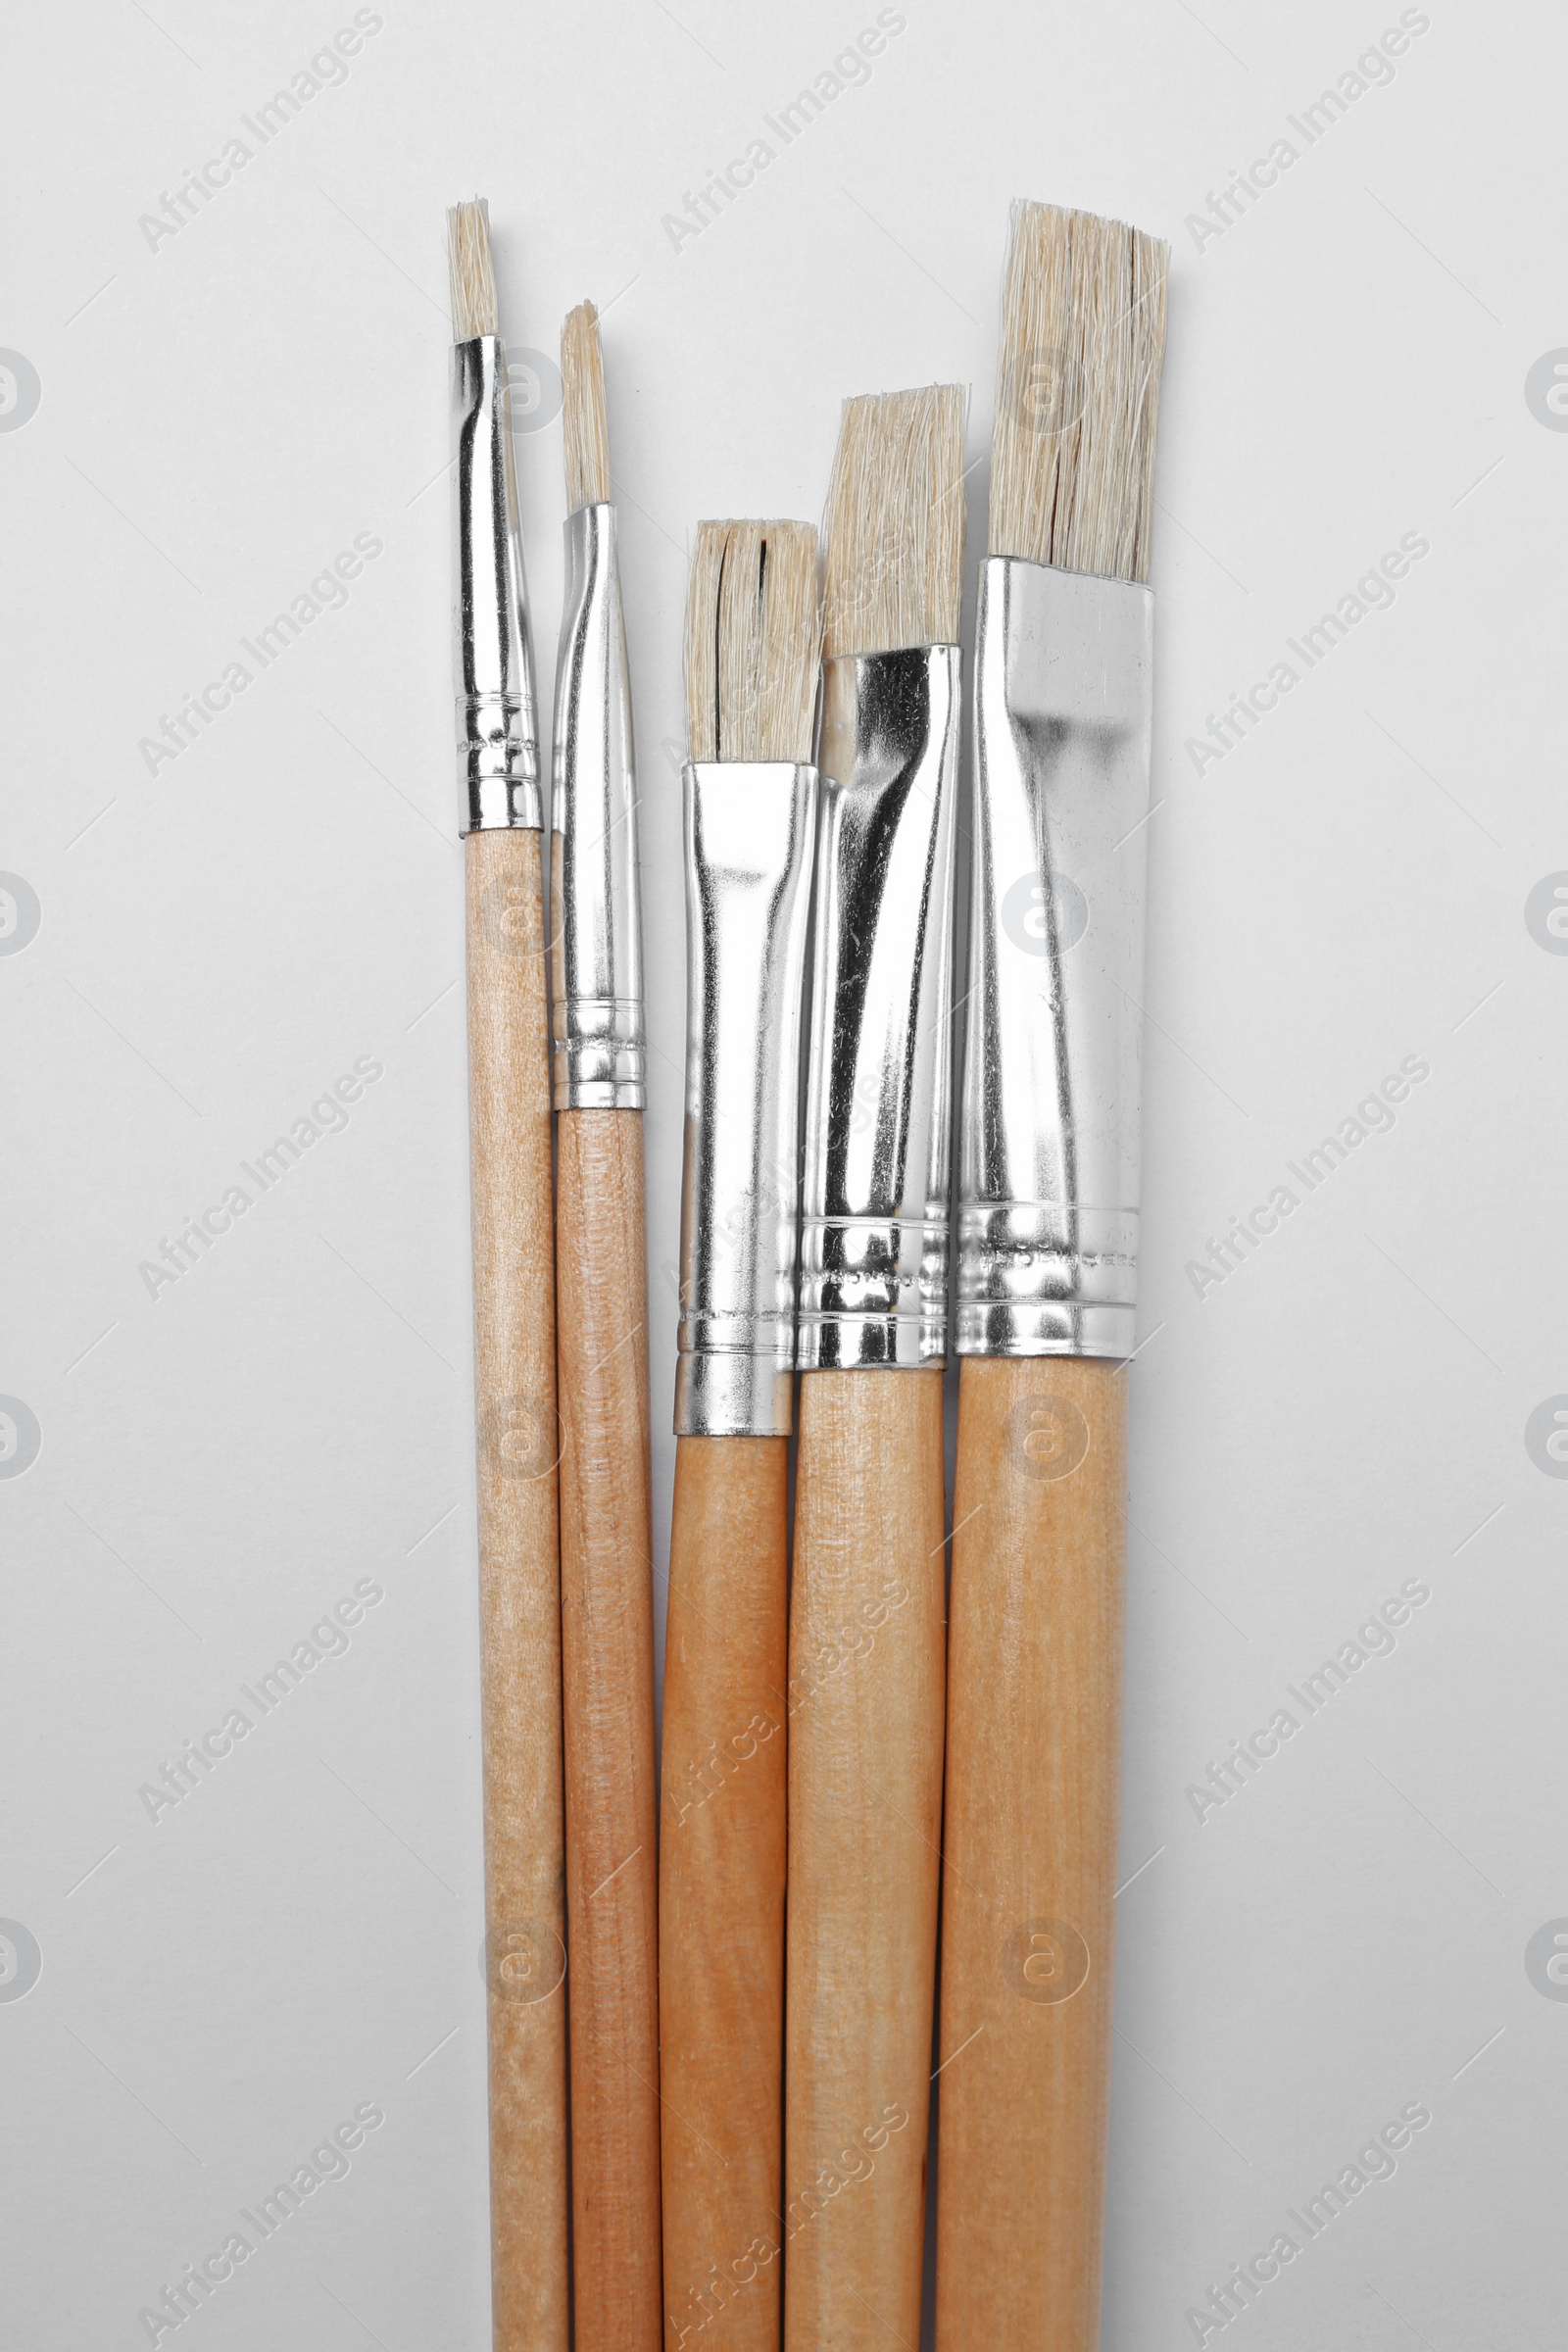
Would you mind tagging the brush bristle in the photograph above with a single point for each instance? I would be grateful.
(894, 523)
(752, 641)
(473, 277)
(1083, 338)
(582, 395)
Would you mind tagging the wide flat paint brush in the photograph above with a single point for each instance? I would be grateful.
(1048, 1241)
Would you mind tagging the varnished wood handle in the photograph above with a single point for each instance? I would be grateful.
(519, 1590)
(1034, 1740)
(721, 1890)
(865, 1695)
(607, 1633)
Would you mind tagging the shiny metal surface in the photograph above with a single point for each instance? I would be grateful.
(596, 955)
(1048, 1165)
(492, 658)
(874, 1230)
(750, 829)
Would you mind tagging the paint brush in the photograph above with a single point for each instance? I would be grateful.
(607, 1591)
(1048, 1240)
(752, 641)
(867, 1610)
(514, 1330)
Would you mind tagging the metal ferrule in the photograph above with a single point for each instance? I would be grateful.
(1047, 1165)
(874, 1228)
(750, 829)
(492, 658)
(596, 952)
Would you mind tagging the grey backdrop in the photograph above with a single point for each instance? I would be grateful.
(201, 409)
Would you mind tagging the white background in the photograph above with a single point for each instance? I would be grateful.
(218, 941)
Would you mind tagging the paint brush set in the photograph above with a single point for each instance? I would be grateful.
(713, 2005)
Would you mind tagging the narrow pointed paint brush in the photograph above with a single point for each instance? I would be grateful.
(605, 1537)
(1048, 1236)
(514, 1330)
(866, 1611)
(752, 638)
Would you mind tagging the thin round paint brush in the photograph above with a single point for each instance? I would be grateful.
(1048, 1240)
(752, 639)
(514, 1328)
(607, 1585)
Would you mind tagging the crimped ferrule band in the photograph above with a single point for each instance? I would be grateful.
(1047, 1158)
(750, 829)
(492, 658)
(874, 1228)
(596, 952)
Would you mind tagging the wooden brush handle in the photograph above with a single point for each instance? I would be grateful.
(1034, 1740)
(866, 1694)
(519, 1588)
(607, 1634)
(721, 1890)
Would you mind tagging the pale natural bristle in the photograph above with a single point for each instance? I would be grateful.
(894, 523)
(582, 396)
(752, 641)
(1083, 338)
(474, 278)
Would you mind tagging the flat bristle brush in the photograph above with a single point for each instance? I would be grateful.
(752, 639)
(606, 1586)
(867, 1609)
(514, 1328)
(1048, 1237)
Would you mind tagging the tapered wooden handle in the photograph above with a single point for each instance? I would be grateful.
(519, 1590)
(721, 1890)
(1034, 1740)
(865, 1698)
(607, 1633)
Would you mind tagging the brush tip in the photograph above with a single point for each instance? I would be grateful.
(752, 641)
(474, 278)
(894, 522)
(585, 429)
(1083, 339)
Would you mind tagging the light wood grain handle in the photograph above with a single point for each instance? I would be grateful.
(519, 1590)
(1034, 1741)
(721, 1890)
(607, 1632)
(866, 1694)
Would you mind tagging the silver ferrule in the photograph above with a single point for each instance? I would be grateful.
(596, 949)
(492, 656)
(750, 828)
(1047, 1156)
(874, 1224)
